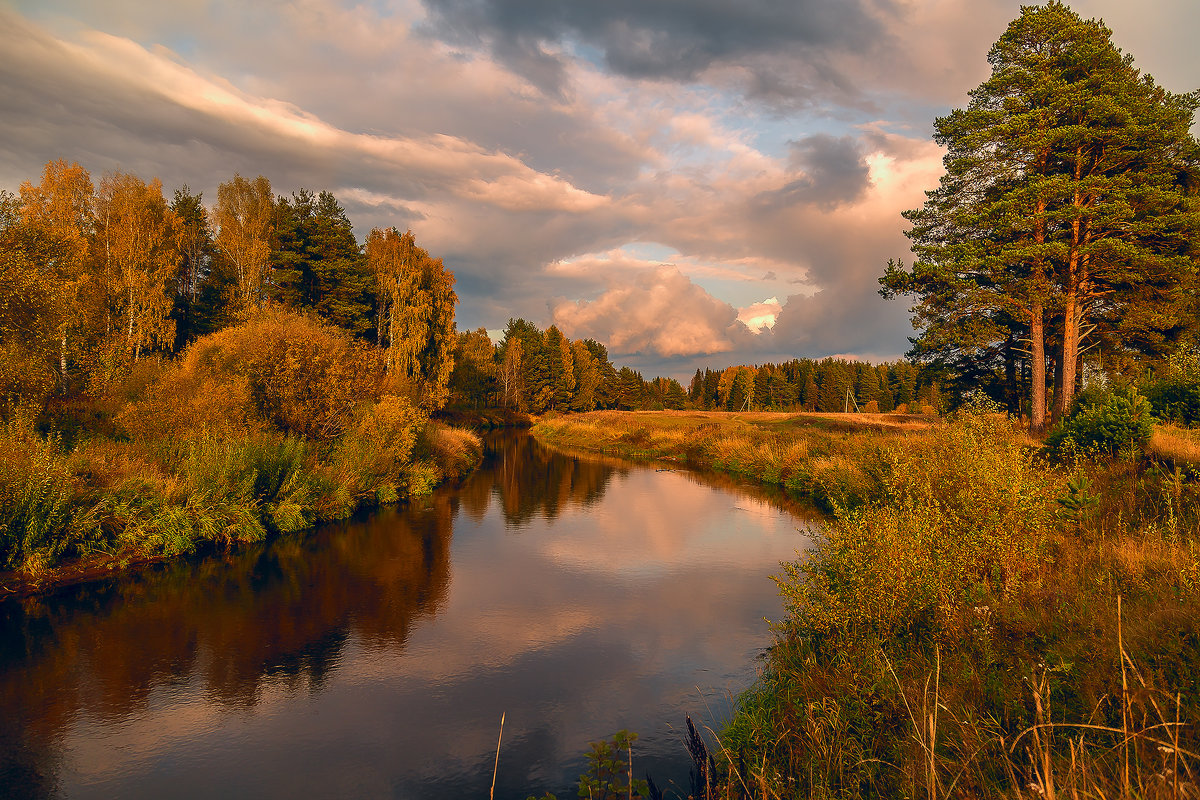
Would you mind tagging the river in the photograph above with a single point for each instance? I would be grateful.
(576, 595)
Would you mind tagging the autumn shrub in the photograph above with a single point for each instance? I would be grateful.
(301, 376)
(141, 377)
(26, 379)
(188, 401)
(372, 457)
(963, 518)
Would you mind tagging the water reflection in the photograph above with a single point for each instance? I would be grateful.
(531, 480)
(582, 596)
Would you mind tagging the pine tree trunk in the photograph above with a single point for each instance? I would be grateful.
(1037, 369)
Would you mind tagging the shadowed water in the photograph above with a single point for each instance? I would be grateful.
(576, 595)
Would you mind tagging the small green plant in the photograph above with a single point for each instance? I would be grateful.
(38, 518)
(609, 773)
(1079, 501)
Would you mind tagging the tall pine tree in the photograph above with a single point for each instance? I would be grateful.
(1068, 201)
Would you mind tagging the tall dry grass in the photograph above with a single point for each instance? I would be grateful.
(960, 635)
(821, 456)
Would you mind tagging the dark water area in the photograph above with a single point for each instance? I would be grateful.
(574, 594)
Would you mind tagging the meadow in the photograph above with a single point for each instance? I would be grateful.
(981, 615)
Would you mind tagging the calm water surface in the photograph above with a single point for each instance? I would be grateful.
(576, 595)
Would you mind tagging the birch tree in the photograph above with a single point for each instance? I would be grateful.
(136, 247)
(243, 217)
(415, 313)
(60, 210)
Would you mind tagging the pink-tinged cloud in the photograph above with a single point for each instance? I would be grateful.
(659, 312)
(762, 315)
(456, 166)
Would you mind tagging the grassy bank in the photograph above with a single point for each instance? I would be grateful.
(818, 456)
(266, 428)
(980, 622)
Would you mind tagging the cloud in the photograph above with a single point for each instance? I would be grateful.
(833, 171)
(659, 312)
(760, 316)
(655, 39)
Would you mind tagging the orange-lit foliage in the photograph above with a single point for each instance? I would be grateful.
(279, 370)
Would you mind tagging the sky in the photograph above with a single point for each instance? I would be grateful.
(691, 182)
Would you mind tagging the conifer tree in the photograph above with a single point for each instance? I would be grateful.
(631, 389)
(560, 368)
(1068, 200)
(317, 265)
(606, 389)
(587, 377)
(762, 380)
(674, 397)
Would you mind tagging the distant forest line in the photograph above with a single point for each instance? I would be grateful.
(537, 371)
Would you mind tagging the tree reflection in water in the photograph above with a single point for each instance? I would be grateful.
(95, 678)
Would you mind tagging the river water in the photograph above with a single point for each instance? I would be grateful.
(576, 595)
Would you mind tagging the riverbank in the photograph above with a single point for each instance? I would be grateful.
(813, 456)
(975, 621)
(76, 513)
(266, 428)
(484, 419)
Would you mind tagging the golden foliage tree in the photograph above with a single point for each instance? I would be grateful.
(415, 317)
(58, 217)
(243, 217)
(31, 313)
(137, 257)
(587, 377)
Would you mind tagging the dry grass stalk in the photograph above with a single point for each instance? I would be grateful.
(496, 766)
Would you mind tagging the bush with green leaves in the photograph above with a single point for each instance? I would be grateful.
(1175, 399)
(1108, 424)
